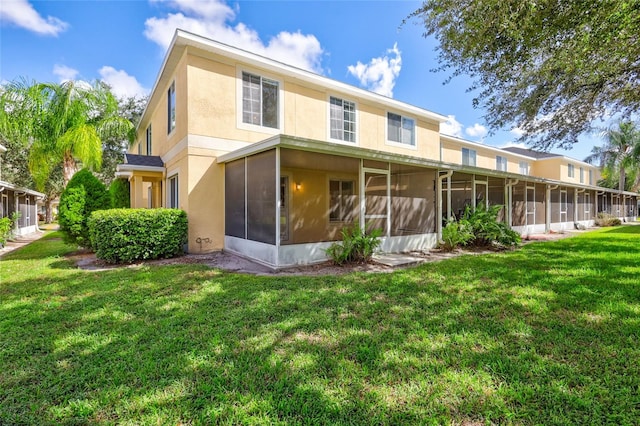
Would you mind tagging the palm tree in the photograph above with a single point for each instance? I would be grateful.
(60, 124)
(620, 155)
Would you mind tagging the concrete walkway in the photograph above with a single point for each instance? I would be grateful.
(23, 240)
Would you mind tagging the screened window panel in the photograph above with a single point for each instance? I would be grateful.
(412, 200)
(496, 196)
(261, 197)
(394, 127)
(270, 103)
(461, 193)
(171, 108)
(173, 192)
(541, 210)
(408, 131)
(519, 205)
(251, 103)
(570, 203)
(234, 199)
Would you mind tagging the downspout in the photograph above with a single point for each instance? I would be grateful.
(508, 188)
(447, 175)
(548, 212)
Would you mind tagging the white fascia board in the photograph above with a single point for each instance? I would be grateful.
(248, 150)
(184, 38)
(134, 168)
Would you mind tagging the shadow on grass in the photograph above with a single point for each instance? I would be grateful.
(542, 335)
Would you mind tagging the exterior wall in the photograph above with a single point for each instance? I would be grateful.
(557, 168)
(451, 152)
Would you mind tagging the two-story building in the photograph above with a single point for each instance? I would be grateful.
(271, 162)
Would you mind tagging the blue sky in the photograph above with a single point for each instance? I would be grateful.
(362, 43)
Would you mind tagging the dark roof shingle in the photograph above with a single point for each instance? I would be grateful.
(143, 160)
(530, 152)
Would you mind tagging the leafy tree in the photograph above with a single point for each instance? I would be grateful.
(60, 124)
(114, 147)
(83, 195)
(619, 157)
(119, 193)
(548, 67)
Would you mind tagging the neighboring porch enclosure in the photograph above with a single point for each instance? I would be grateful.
(23, 203)
(285, 206)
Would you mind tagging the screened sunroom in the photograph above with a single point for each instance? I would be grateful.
(287, 200)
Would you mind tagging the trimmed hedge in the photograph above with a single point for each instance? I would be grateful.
(128, 235)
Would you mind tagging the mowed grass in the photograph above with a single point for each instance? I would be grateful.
(548, 334)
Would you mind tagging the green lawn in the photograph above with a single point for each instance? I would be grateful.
(549, 334)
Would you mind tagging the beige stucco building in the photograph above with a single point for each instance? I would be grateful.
(270, 161)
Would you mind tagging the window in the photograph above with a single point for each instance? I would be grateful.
(501, 163)
(570, 170)
(172, 196)
(171, 108)
(581, 175)
(524, 168)
(259, 101)
(341, 200)
(342, 119)
(149, 140)
(590, 177)
(139, 148)
(468, 157)
(401, 129)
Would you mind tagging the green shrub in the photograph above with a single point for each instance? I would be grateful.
(479, 227)
(6, 225)
(456, 234)
(356, 246)
(119, 193)
(605, 219)
(486, 228)
(83, 195)
(127, 235)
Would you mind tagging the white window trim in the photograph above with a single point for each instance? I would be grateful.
(356, 142)
(413, 147)
(253, 127)
(571, 171)
(170, 174)
(173, 84)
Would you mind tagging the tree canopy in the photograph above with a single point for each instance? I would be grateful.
(619, 157)
(547, 67)
(60, 124)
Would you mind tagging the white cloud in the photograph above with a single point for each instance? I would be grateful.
(211, 19)
(451, 127)
(477, 131)
(380, 74)
(122, 84)
(517, 131)
(512, 144)
(22, 14)
(65, 73)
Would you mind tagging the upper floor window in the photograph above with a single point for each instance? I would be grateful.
(149, 140)
(259, 101)
(590, 177)
(401, 129)
(468, 157)
(139, 148)
(171, 108)
(571, 170)
(524, 168)
(342, 119)
(501, 163)
(581, 175)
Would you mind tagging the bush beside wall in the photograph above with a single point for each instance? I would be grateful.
(128, 235)
(119, 193)
(83, 195)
